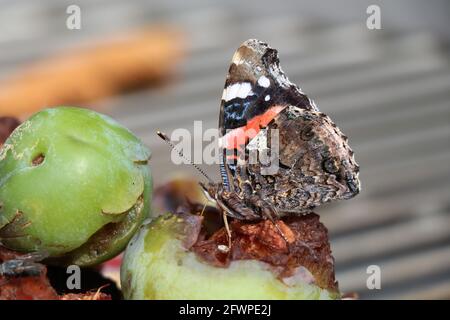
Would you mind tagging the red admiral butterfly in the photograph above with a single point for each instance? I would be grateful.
(314, 163)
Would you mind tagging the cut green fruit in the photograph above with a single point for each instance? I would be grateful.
(157, 265)
(74, 184)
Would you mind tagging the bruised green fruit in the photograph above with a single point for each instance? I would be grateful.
(73, 184)
(157, 265)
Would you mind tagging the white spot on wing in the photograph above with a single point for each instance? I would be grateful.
(231, 91)
(224, 94)
(263, 81)
(244, 90)
(267, 98)
(237, 90)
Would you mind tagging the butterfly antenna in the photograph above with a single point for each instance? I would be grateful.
(167, 140)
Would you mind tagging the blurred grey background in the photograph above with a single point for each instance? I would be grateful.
(387, 89)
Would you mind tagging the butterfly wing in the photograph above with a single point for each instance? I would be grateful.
(256, 91)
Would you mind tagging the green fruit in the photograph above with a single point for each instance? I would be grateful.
(157, 266)
(74, 184)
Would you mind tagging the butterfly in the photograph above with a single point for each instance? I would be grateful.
(279, 155)
(307, 159)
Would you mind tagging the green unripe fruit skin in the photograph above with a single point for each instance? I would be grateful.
(73, 183)
(156, 266)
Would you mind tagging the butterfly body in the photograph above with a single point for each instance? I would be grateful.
(279, 154)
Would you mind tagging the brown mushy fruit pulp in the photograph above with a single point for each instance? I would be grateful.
(37, 287)
(307, 247)
(305, 256)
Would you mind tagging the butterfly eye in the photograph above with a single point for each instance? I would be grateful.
(307, 133)
(330, 165)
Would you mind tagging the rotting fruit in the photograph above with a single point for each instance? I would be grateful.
(74, 184)
(183, 255)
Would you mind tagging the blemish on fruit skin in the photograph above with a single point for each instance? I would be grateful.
(26, 225)
(10, 146)
(141, 162)
(39, 159)
(4, 150)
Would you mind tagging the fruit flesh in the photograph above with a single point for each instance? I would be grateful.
(157, 265)
(67, 173)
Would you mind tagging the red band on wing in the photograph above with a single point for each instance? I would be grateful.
(238, 137)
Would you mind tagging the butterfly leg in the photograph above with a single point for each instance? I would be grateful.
(227, 228)
(229, 211)
(268, 214)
